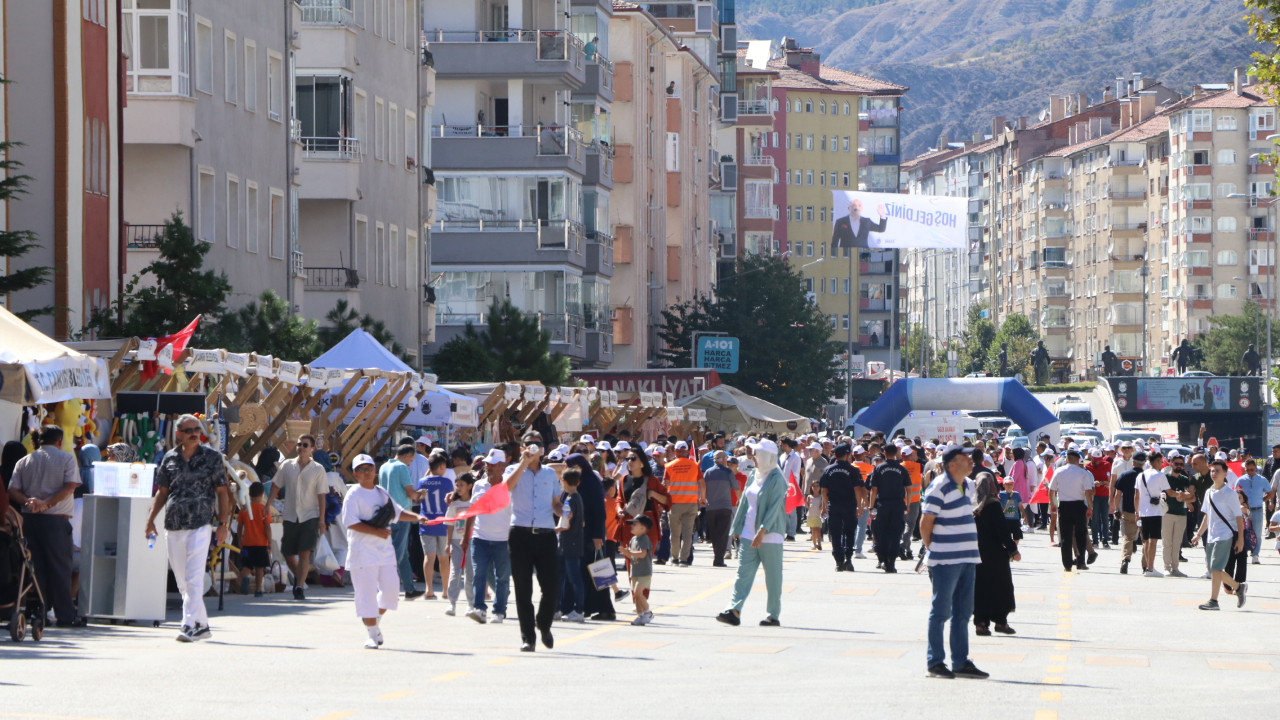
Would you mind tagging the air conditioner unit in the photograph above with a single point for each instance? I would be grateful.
(728, 237)
(729, 251)
(729, 108)
(729, 176)
(729, 40)
(704, 17)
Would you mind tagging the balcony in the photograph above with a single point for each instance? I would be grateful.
(758, 160)
(550, 55)
(885, 159)
(160, 119)
(599, 253)
(568, 333)
(335, 279)
(483, 241)
(766, 212)
(1127, 197)
(326, 13)
(599, 165)
(599, 345)
(143, 237)
(330, 168)
(507, 147)
(599, 78)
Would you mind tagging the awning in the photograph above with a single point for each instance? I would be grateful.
(732, 410)
(35, 368)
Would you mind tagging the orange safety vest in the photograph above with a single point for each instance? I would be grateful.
(681, 477)
(914, 470)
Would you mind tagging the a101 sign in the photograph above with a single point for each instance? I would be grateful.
(718, 353)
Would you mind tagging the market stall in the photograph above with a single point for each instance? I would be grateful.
(730, 409)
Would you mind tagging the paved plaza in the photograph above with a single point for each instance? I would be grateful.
(1089, 644)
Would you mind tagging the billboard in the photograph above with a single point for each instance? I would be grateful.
(889, 221)
(1169, 398)
(1185, 394)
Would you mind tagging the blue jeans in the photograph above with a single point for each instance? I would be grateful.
(1100, 523)
(572, 592)
(861, 535)
(952, 600)
(1259, 525)
(793, 521)
(490, 560)
(400, 532)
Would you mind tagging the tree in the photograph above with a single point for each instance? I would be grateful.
(786, 353)
(180, 289)
(975, 350)
(343, 318)
(1021, 337)
(267, 327)
(919, 342)
(16, 243)
(1230, 335)
(511, 347)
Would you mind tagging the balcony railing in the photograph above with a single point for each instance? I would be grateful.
(330, 148)
(551, 44)
(605, 241)
(1132, 195)
(329, 13)
(565, 328)
(606, 70)
(143, 237)
(331, 278)
(755, 107)
(295, 263)
(761, 160)
(760, 211)
(552, 234)
(551, 140)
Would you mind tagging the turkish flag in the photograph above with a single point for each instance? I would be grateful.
(177, 341)
(794, 499)
(1041, 495)
(495, 499)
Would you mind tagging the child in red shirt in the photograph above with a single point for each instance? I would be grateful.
(255, 539)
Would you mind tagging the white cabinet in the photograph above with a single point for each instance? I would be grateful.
(120, 577)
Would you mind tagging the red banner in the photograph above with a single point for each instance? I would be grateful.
(179, 342)
(495, 499)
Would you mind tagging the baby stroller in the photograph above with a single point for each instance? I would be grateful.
(21, 602)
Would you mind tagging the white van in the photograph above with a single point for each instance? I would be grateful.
(1073, 410)
(947, 426)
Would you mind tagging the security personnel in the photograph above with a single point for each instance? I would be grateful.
(888, 486)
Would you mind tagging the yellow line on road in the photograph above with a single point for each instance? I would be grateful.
(1051, 696)
(451, 676)
(338, 715)
(396, 695)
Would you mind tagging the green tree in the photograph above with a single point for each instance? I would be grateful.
(918, 342)
(266, 326)
(511, 347)
(343, 318)
(178, 290)
(786, 353)
(975, 348)
(1231, 335)
(16, 243)
(1021, 337)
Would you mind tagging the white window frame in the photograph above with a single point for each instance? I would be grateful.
(275, 86)
(360, 258)
(393, 243)
(360, 120)
(410, 140)
(178, 72)
(230, 67)
(276, 232)
(204, 56)
(410, 25)
(250, 75)
(233, 213)
(410, 260)
(252, 218)
(379, 127)
(393, 133)
(206, 215)
(380, 254)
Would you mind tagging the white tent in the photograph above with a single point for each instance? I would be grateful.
(35, 368)
(730, 409)
(360, 350)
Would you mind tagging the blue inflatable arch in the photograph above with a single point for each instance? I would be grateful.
(1004, 394)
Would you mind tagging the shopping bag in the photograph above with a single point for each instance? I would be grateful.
(325, 562)
(603, 573)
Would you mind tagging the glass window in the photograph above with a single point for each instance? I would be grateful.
(230, 69)
(323, 107)
(275, 86)
(204, 56)
(250, 76)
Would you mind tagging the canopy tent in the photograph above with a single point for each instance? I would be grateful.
(1004, 394)
(35, 368)
(360, 350)
(731, 409)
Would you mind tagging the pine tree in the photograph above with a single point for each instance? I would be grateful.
(511, 347)
(343, 318)
(16, 243)
(267, 327)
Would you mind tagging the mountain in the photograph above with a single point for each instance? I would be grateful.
(968, 60)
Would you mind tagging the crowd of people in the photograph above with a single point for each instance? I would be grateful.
(562, 514)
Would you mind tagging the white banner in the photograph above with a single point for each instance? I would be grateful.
(205, 361)
(290, 372)
(889, 220)
(146, 350)
(71, 377)
(238, 364)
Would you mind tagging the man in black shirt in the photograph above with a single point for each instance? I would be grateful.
(1122, 495)
(888, 486)
(842, 491)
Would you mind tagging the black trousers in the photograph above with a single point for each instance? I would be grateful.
(49, 538)
(888, 524)
(842, 525)
(531, 552)
(1074, 527)
(1238, 564)
(718, 522)
(595, 601)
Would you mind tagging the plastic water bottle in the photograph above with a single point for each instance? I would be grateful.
(151, 541)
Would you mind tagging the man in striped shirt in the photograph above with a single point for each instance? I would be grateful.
(951, 539)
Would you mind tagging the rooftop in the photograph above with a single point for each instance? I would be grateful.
(831, 80)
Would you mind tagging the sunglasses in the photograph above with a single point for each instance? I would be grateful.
(189, 430)
(304, 445)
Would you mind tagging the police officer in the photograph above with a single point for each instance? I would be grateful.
(888, 487)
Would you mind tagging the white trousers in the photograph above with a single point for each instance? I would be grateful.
(188, 556)
(376, 587)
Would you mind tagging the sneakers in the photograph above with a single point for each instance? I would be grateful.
(1257, 560)
(638, 621)
(1152, 573)
(453, 610)
(1207, 576)
(1240, 591)
(370, 644)
(621, 594)
(557, 617)
(770, 622)
(729, 617)
(848, 565)
(377, 636)
(1176, 573)
(941, 671)
(575, 617)
(860, 556)
(478, 615)
(415, 594)
(971, 672)
(1124, 568)
(202, 632)
(643, 618)
(184, 635)
(839, 566)
(1211, 605)
(298, 594)
(1092, 558)
(258, 594)
(497, 619)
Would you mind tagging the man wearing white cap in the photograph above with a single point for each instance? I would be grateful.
(490, 560)
(421, 464)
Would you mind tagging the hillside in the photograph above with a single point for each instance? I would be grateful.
(967, 60)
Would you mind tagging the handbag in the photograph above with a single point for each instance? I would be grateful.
(1158, 500)
(635, 503)
(603, 572)
(383, 516)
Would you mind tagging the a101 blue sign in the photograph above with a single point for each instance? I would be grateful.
(718, 353)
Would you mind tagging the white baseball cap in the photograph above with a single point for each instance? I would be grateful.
(603, 445)
(930, 446)
(622, 445)
(362, 459)
(908, 450)
(858, 449)
(764, 444)
(426, 440)
(656, 449)
(495, 457)
(1174, 454)
(555, 455)
(587, 439)
(682, 445)
(1220, 456)
(1095, 453)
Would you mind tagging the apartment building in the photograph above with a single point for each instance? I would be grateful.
(835, 130)
(60, 103)
(757, 175)
(206, 133)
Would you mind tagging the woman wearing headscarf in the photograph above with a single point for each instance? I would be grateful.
(122, 453)
(636, 475)
(598, 605)
(762, 517)
(993, 580)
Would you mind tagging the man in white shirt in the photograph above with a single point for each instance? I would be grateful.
(1152, 484)
(1072, 485)
(792, 468)
(1222, 517)
(304, 485)
(490, 558)
(421, 465)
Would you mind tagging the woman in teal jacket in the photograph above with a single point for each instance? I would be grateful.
(761, 516)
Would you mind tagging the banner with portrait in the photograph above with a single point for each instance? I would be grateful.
(890, 221)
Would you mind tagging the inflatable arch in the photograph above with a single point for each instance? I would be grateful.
(1004, 394)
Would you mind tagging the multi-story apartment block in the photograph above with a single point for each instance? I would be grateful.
(835, 130)
(61, 63)
(750, 137)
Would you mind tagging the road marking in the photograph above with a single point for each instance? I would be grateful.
(1063, 636)
(1063, 596)
(1116, 661)
(37, 716)
(451, 676)
(1032, 597)
(869, 652)
(330, 716)
(1057, 669)
(1064, 606)
(1057, 658)
(396, 695)
(754, 649)
(1239, 665)
(501, 661)
(1053, 680)
(1046, 715)
(1050, 696)
(1062, 646)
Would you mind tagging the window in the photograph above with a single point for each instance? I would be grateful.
(250, 76)
(808, 213)
(1197, 258)
(799, 178)
(411, 262)
(808, 106)
(1201, 224)
(1260, 256)
(207, 204)
(1226, 291)
(156, 48)
(204, 56)
(822, 108)
(833, 321)
(1224, 190)
(808, 142)
(393, 267)
(1226, 224)
(844, 322)
(799, 213)
(833, 282)
(1201, 120)
(822, 179)
(393, 134)
(275, 86)
(834, 180)
(844, 179)
(844, 286)
(788, 105)
(380, 255)
(360, 116)
(410, 141)
(410, 26)
(1196, 191)
(846, 107)
(1226, 157)
(1259, 189)
(323, 111)
(1226, 122)
(822, 214)
(1226, 257)
(808, 177)
(808, 249)
(394, 21)
(379, 13)
(844, 145)
(275, 224)
(252, 216)
(799, 142)
(379, 126)
(230, 69)
(775, 139)
(360, 258)
(233, 211)
(822, 142)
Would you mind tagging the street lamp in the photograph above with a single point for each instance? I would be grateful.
(1145, 272)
